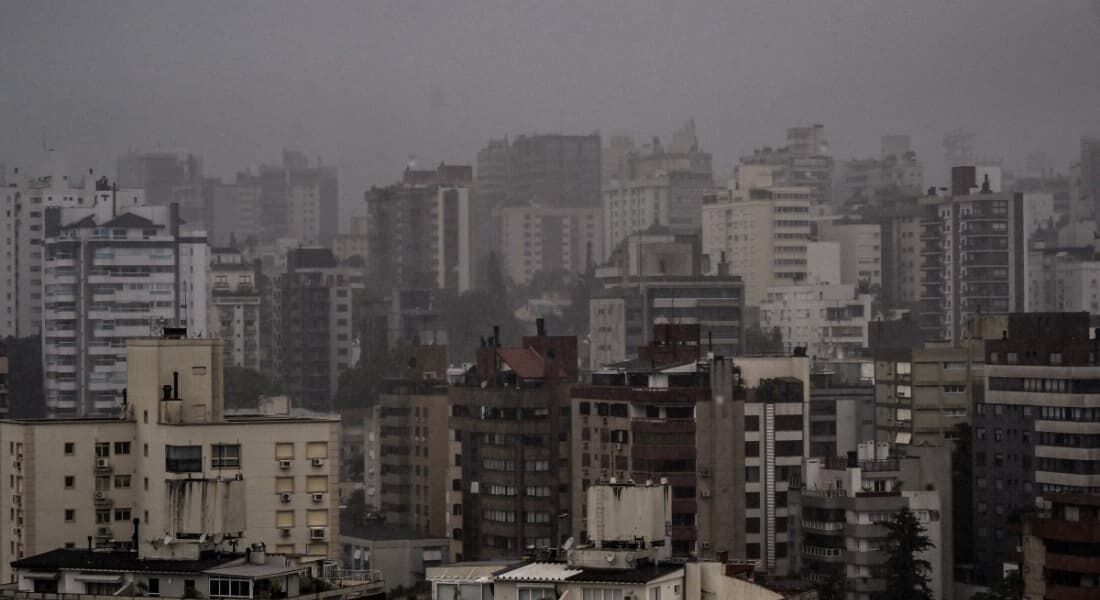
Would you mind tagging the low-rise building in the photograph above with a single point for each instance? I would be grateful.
(401, 555)
(207, 572)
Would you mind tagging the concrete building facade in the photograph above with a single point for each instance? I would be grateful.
(113, 273)
(175, 463)
(829, 321)
(547, 239)
(234, 314)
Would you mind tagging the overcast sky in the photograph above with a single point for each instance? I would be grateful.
(366, 84)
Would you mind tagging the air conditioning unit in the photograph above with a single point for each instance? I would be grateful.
(102, 462)
(284, 464)
(318, 498)
(318, 462)
(285, 532)
(706, 545)
(317, 533)
(285, 497)
(705, 493)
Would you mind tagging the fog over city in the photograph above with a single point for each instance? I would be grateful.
(364, 85)
(554, 300)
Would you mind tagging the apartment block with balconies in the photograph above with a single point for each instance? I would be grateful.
(174, 466)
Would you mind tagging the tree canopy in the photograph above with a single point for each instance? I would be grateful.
(906, 572)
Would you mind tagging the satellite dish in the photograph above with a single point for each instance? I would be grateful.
(609, 557)
(568, 545)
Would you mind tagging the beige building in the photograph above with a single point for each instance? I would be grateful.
(547, 238)
(760, 232)
(173, 472)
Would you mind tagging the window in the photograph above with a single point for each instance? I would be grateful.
(70, 448)
(229, 588)
(122, 481)
(183, 459)
(70, 515)
(122, 514)
(154, 586)
(224, 456)
(103, 517)
(102, 449)
(122, 447)
(600, 594)
(70, 481)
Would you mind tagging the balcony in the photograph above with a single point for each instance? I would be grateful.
(824, 553)
(103, 501)
(827, 527)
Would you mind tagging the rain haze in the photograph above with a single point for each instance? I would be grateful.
(366, 85)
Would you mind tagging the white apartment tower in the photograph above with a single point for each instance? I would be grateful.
(760, 232)
(537, 238)
(23, 201)
(112, 273)
(233, 312)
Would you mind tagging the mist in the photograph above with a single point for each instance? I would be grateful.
(367, 85)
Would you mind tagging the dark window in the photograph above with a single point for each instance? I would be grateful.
(226, 456)
(788, 422)
(752, 500)
(619, 410)
(586, 408)
(183, 459)
(753, 550)
(752, 525)
(752, 449)
(122, 447)
(780, 499)
(752, 423)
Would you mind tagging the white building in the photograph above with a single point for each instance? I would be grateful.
(670, 199)
(860, 250)
(113, 273)
(233, 314)
(536, 238)
(761, 233)
(1063, 282)
(829, 321)
(23, 201)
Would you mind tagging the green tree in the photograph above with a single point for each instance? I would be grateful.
(833, 587)
(1009, 588)
(906, 572)
(244, 386)
(356, 507)
(360, 385)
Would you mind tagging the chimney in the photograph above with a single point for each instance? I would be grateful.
(540, 326)
(496, 336)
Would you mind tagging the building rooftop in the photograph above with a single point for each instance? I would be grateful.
(116, 561)
(379, 531)
(560, 571)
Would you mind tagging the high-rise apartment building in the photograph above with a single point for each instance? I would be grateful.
(512, 451)
(897, 170)
(842, 406)
(725, 437)
(555, 169)
(804, 162)
(923, 395)
(315, 325)
(4, 401)
(170, 177)
(23, 203)
(843, 502)
(828, 321)
(1088, 178)
(406, 448)
(294, 199)
(974, 254)
(658, 187)
(419, 230)
(1035, 429)
(537, 238)
(175, 464)
(761, 233)
(112, 273)
(235, 307)
(657, 279)
(861, 251)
